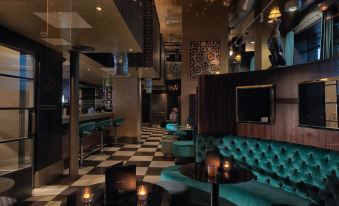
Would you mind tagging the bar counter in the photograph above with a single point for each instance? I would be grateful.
(88, 117)
(90, 141)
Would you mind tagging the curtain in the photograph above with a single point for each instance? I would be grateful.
(326, 47)
(289, 48)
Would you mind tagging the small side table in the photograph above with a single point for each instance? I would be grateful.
(234, 175)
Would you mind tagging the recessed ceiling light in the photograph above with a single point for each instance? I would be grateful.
(98, 8)
(146, 68)
(217, 72)
(292, 9)
(88, 69)
(130, 49)
(252, 42)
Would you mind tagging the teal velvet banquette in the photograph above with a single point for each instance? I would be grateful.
(285, 173)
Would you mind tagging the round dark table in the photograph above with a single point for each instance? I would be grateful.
(6, 184)
(198, 172)
(157, 196)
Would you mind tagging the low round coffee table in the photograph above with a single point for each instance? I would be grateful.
(6, 184)
(198, 172)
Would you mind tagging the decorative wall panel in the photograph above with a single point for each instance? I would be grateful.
(204, 58)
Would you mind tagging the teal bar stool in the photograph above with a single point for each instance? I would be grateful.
(85, 130)
(117, 122)
(103, 126)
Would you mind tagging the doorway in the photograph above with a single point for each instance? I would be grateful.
(158, 108)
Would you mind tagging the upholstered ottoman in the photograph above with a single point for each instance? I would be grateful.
(166, 144)
(177, 190)
(183, 149)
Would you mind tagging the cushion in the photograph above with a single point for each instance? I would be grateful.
(245, 194)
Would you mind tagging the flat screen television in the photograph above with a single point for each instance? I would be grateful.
(255, 104)
(318, 103)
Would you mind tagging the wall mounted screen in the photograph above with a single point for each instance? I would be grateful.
(318, 103)
(255, 104)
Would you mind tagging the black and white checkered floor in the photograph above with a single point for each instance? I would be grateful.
(146, 156)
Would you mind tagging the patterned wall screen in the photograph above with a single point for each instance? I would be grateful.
(204, 58)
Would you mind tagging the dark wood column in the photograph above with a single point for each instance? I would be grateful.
(74, 114)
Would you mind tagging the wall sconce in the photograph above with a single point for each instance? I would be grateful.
(274, 13)
(237, 58)
(323, 6)
(87, 195)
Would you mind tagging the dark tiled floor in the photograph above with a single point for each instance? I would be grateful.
(146, 156)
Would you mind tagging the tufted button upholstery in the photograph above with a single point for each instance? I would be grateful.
(283, 165)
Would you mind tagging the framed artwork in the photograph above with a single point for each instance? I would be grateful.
(204, 58)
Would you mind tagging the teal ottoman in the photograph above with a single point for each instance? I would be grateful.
(183, 149)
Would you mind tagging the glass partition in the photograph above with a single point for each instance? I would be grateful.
(16, 109)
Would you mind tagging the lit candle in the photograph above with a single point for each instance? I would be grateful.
(188, 126)
(211, 170)
(142, 192)
(87, 195)
(227, 165)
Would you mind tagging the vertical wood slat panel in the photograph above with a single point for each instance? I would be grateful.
(217, 104)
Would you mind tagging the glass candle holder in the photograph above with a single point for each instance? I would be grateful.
(212, 170)
(87, 195)
(227, 165)
(226, 174)
(142, 192)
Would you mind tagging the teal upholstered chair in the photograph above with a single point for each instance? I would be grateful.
(117, 122)
(85, 130)
(103, 126)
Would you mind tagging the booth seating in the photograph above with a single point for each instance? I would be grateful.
(85, 130)
(285, 173)
(103, 126)
(117, 122)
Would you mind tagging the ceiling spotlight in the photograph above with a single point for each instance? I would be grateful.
(292, 5)
(130, 49)
(231, 52)
(217, 72)
(98, 8)
(252, 42)
(146, 68)
(323, 6)
(88, 69)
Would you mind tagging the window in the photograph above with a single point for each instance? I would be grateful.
(307, 44)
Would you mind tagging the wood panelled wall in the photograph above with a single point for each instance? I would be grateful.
(217, 104)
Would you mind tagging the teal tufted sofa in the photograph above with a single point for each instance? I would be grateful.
(285, 173)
